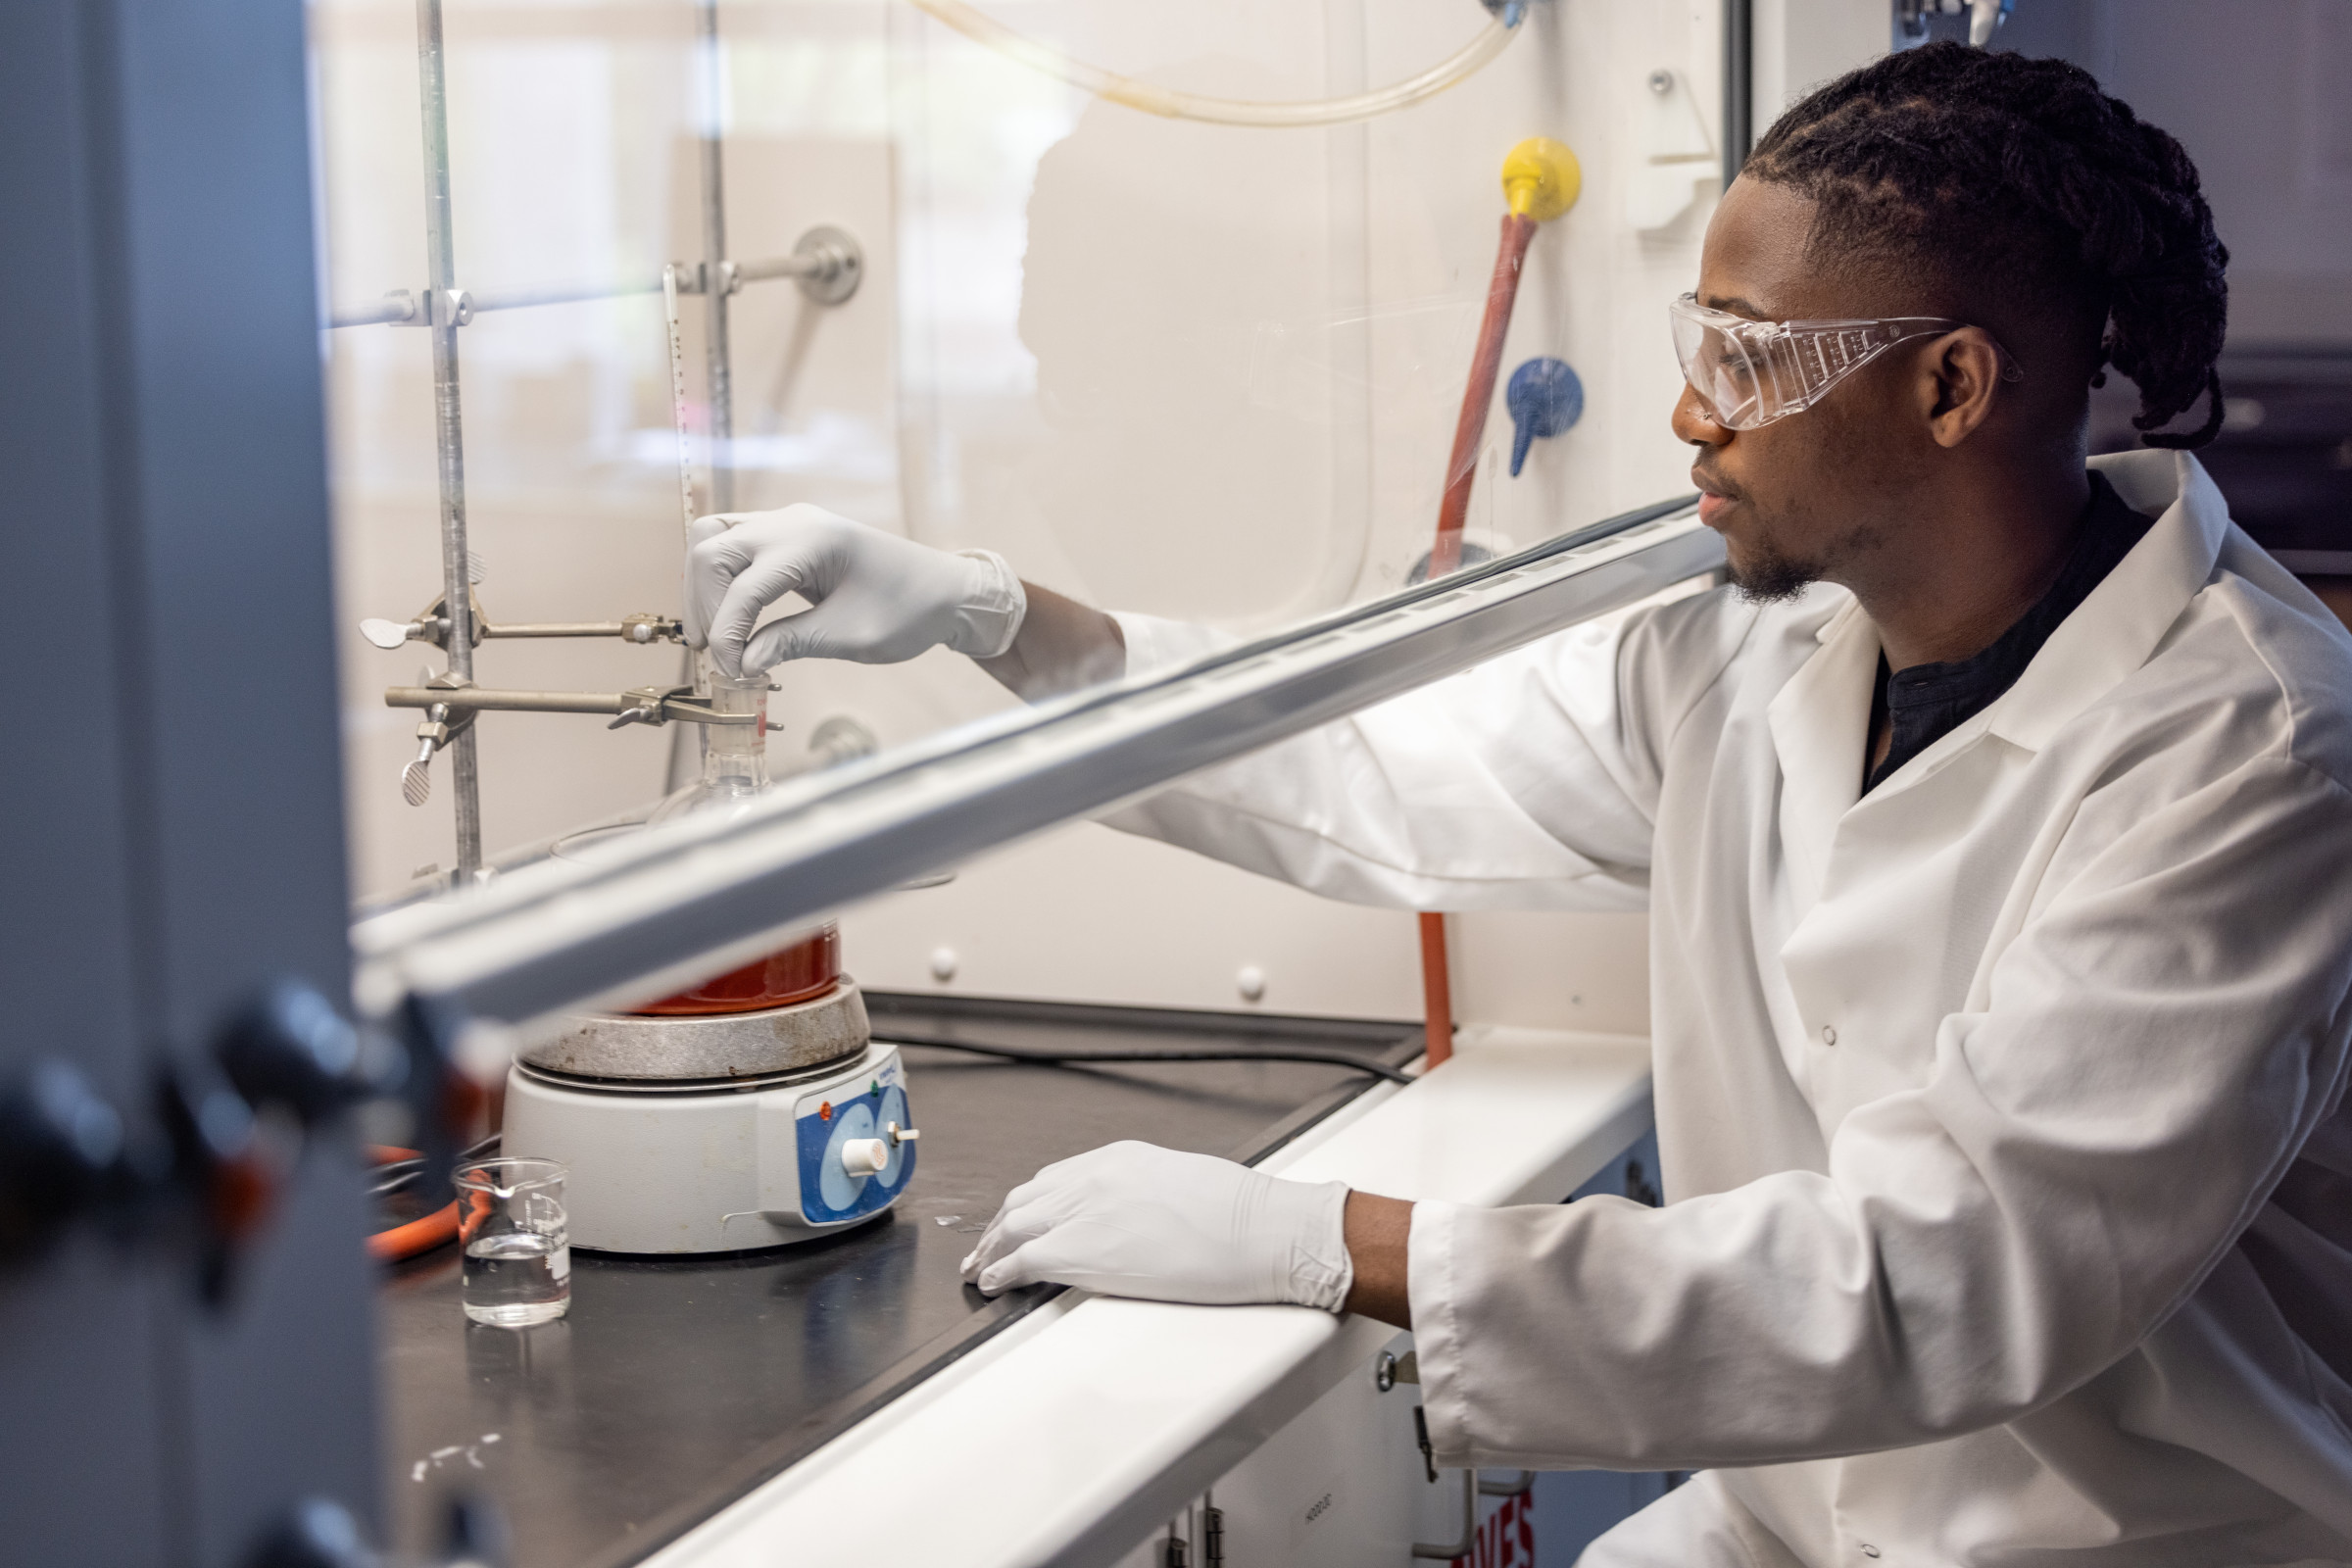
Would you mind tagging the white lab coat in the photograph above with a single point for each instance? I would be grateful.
(2001, 1110)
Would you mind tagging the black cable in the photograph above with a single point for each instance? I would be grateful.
(1055, 1057)
(396, 1175)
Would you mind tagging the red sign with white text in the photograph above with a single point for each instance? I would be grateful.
(1507, 1538)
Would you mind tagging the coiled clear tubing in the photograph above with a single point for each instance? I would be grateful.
(1491, 41)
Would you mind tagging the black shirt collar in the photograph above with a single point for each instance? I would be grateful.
(1928, 701)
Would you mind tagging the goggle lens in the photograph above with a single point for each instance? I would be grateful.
(1729, 379)
(1750, 373)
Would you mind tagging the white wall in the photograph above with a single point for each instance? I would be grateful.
(1799, 44)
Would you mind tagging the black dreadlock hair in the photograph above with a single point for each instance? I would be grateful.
(1987, 165)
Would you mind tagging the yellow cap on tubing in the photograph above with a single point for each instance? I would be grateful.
(1541, 179)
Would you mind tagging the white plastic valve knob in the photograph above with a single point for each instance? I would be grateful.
(864, 1156)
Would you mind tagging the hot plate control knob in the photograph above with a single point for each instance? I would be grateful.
(864, 1156)
(898, 1134)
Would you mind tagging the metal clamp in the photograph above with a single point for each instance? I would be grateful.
(640, 705)
(390, 634)
(431, 625)
(428, 625)
(437, 731)
(659, 704)
(416, 774)
(644, 629)
(401, 307)
(629, 628)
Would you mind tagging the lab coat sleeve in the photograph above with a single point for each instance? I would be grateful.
(1528, 783)
(2155, 1046)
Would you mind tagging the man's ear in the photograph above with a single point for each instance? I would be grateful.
(1960, 375)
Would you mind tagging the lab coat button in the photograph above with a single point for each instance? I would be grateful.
(1829, 1037)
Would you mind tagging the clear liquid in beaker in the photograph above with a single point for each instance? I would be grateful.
(514, 1279)
(515, 1238)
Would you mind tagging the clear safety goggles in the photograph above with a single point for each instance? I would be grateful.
(1750, 373)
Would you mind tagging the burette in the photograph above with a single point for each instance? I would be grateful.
(677, 404)
(1112, 87)
(695, 672)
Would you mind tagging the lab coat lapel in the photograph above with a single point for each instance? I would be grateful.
(2114, 631)
(1820, 725)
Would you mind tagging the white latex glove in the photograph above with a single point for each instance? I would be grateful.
(874, 598)
(1134, 1219)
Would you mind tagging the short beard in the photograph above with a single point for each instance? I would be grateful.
(1774, 578)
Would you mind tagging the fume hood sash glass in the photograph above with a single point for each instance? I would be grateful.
(678, 902)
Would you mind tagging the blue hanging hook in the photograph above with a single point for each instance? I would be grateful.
(1545, 398)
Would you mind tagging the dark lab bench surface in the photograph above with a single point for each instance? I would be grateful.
(676, 1384)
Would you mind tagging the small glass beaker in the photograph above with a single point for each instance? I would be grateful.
(517, 1247)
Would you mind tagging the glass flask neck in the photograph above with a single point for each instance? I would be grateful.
(735, 755)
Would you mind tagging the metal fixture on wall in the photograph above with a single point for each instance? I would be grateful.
(1984, 19)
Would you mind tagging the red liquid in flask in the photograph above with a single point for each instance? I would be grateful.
(806, 969)
(734, 771)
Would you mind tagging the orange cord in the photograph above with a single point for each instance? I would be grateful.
(417, 1236)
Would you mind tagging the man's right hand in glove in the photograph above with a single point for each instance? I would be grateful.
(877, 599)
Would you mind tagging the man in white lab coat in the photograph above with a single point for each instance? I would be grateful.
(1996, 835)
